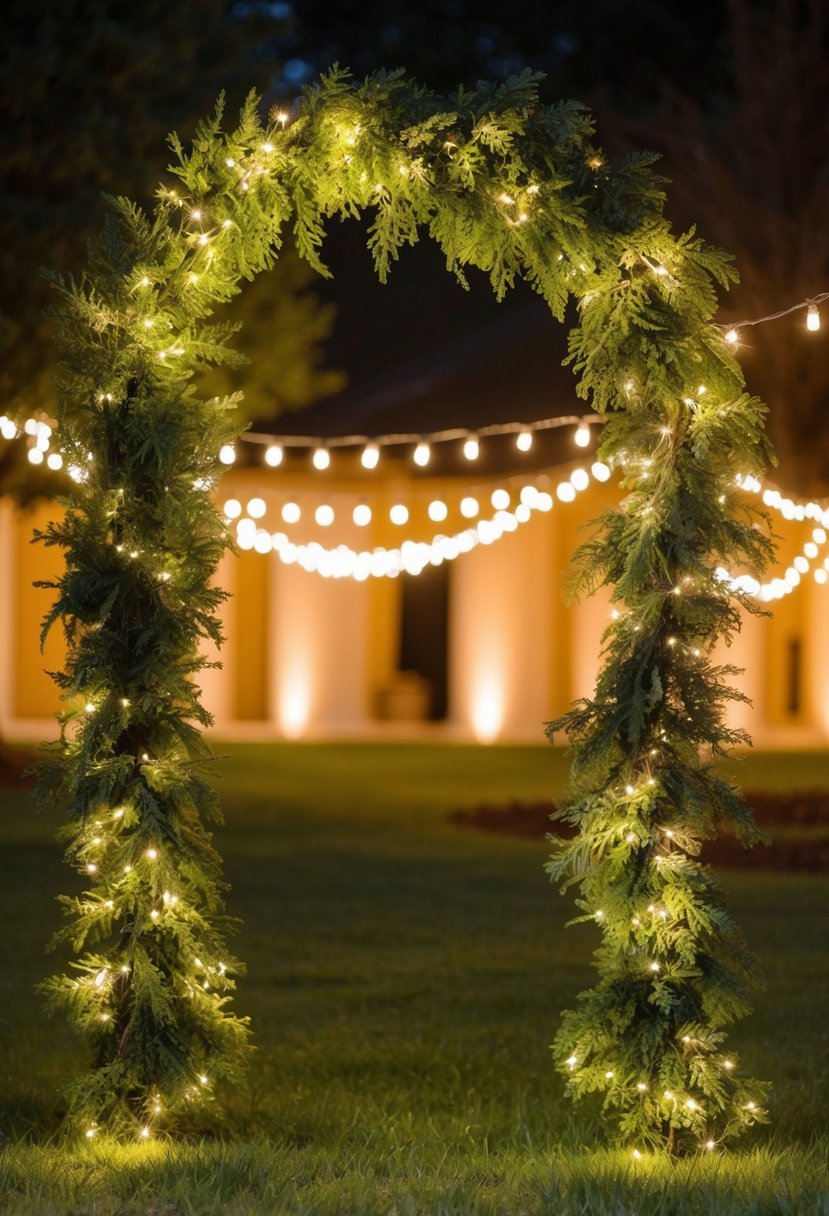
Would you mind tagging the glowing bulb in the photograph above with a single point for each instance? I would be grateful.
(582, 436)
(227, 453)
(731, 336)
(399, 514)
(691, 1104)
(609, 1075)
(469, 507)
(361, 515)
(600, 471)
(232, 508)
(54, 461)
(35, 456)
(641, 1086)
(654, 967)
(813, 318)
(572, 1061)
(728, 1065)
(257, 508)
(471, 448)
(273, 455)
(565, 491)
(500, 499)
(709, 1144)
(152, 854)
(437, 511)
(91, 868)
(637, 1156)
(371, 456)
(422, 454)
(145, 1133)
(524, 440)
(321, 458)
(324, 515)
(291, 513)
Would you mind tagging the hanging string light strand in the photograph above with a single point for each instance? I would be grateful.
(732, 331)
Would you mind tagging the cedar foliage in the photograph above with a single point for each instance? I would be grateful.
(517, 190)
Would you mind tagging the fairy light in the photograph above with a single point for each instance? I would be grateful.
(582, 436)
(469, 507)
(361, 515)
(500, 499)
(227, 454)
(324, 515)
(471, 447)
(524, 440)
(813, 318)
(232, 508)
(321, 458)
(274, 455)
(399, 514)
(422, 455)
(256, 508)
(291, 513)
(370, 457)
(437, 511)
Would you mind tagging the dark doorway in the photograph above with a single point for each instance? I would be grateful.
(423, 631)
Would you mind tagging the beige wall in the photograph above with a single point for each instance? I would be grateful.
(307, 656)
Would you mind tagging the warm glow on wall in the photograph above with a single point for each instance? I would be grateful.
(295, 698)
(487, 707)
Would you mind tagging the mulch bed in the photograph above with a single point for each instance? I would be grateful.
(805, 808)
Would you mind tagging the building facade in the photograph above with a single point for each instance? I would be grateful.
(478, 647)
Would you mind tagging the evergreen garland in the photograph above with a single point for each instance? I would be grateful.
(516, 190)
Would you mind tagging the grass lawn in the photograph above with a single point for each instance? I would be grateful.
(404, 983)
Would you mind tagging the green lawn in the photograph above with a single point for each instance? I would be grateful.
(404, 983)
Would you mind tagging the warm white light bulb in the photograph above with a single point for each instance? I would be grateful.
(321, 458)
(232, 508)
(273, 455)
(227, 453)
(582, 437)
(324, 515)
(257, 508)
(437, 511)
(469, 507)
(399, 514)
(471, 448)
(524, 440)
(422, 454)
(371, 456)
(291, 513)
(732, 336)
(361, 515)
(35, 456)
(500, 499)
(54, 461)
(813, 318)
(580, 479)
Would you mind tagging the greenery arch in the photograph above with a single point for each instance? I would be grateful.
(517, 190)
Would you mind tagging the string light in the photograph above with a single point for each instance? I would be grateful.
(471, 448)
(732, 332)
(274, 455)
(524, 440)
(422, 455)
(582, 437)
(371, 456)
(321, 458)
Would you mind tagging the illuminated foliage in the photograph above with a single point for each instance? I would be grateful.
(516, 190)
